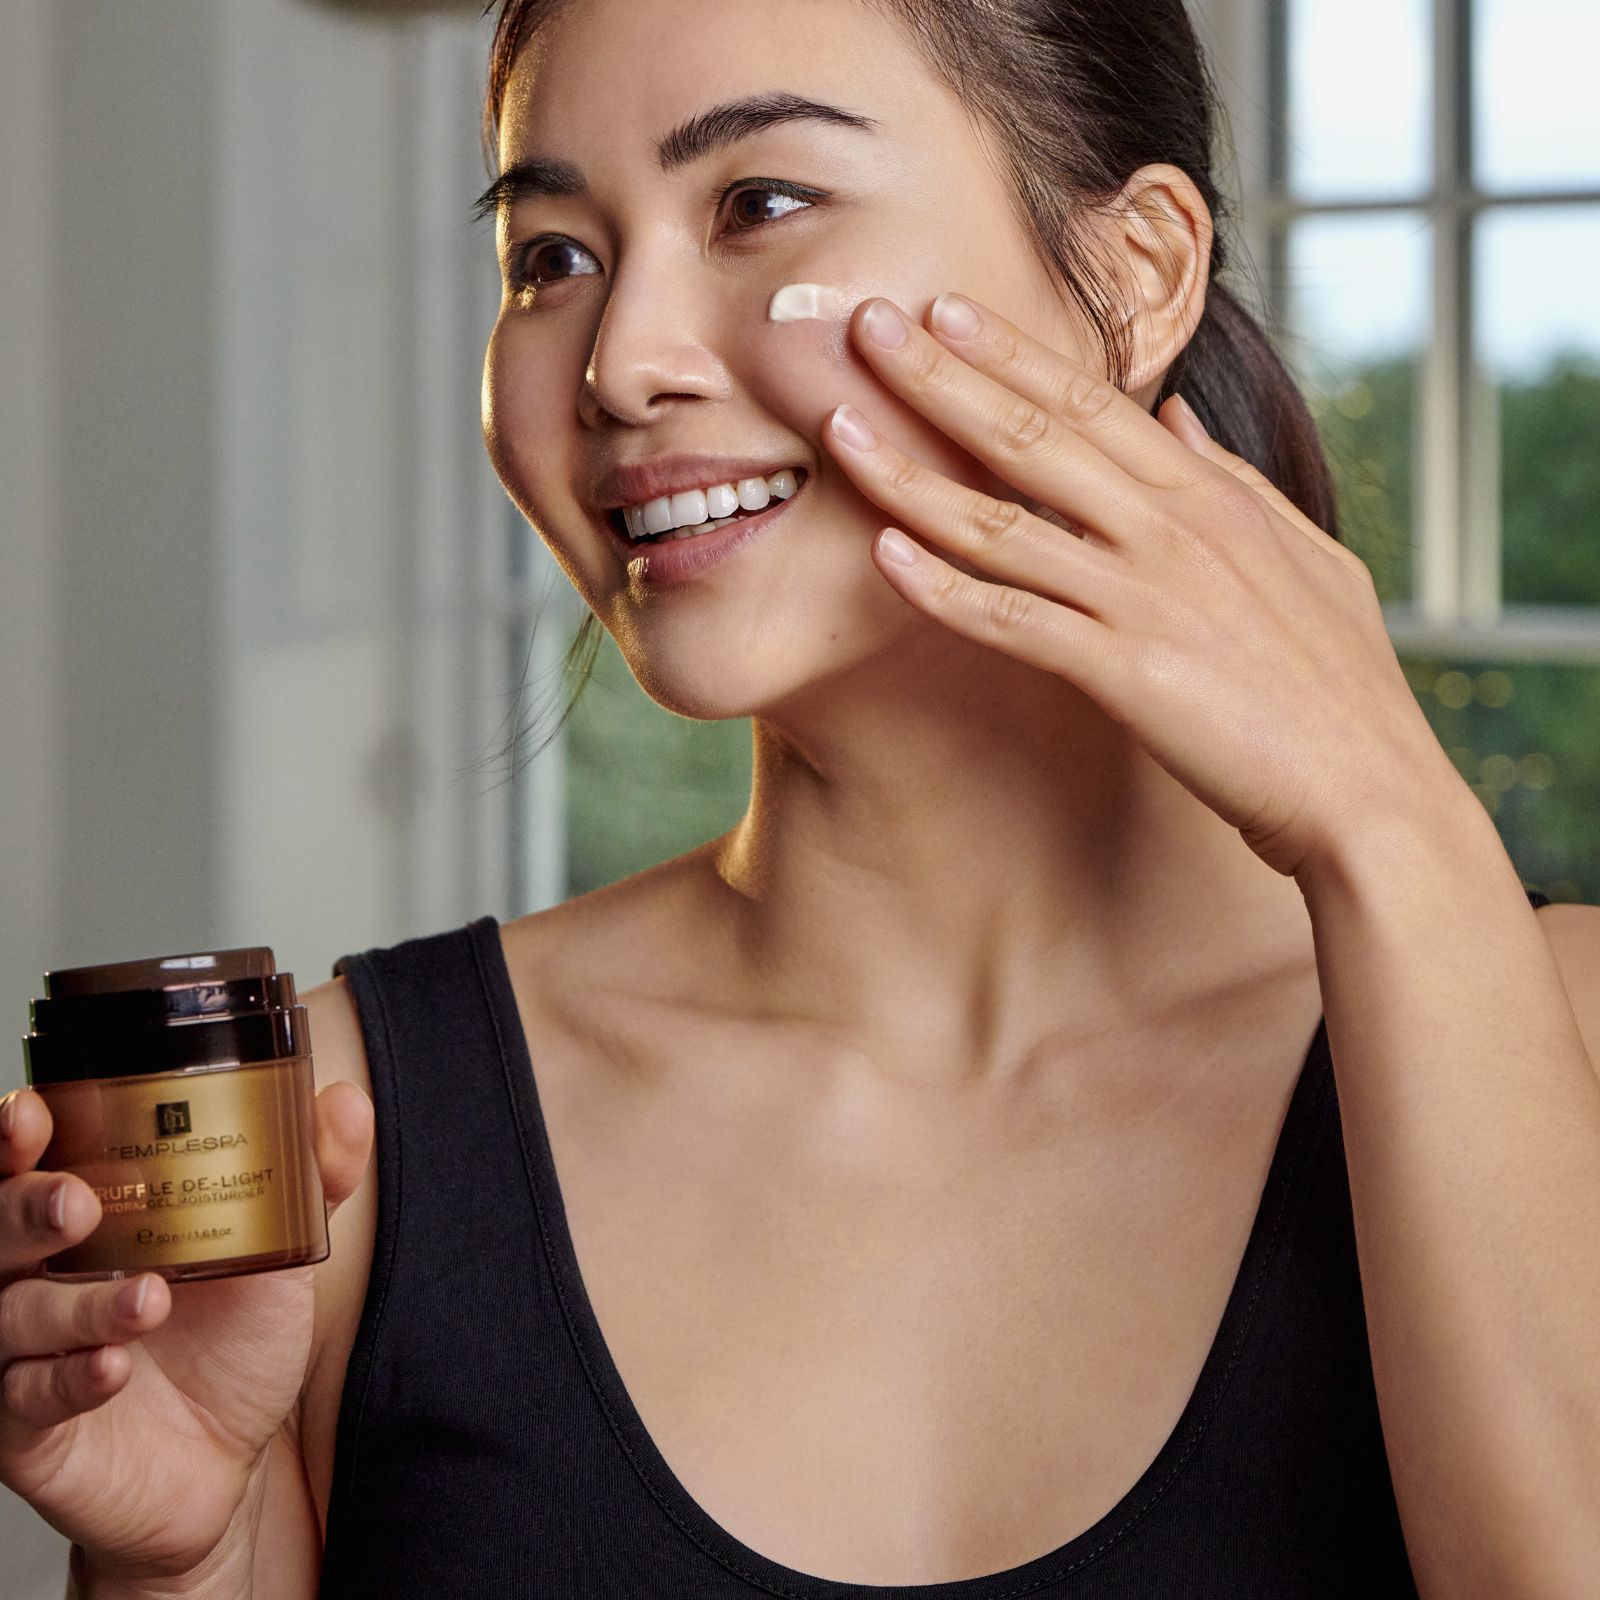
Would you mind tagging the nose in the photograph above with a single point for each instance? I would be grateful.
(650, 347)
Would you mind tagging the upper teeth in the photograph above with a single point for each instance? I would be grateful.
(697, 510)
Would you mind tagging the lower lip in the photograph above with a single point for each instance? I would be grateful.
(678, 560)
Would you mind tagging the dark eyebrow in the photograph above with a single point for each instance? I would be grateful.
(701, 135)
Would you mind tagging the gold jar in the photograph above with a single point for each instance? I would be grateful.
(181, 1092)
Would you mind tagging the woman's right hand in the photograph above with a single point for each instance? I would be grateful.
(135, 1433)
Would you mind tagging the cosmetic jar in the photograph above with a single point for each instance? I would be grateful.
(181, 1092)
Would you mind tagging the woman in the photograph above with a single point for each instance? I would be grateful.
(939, 1185)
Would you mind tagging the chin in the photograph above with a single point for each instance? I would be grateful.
(780, 656)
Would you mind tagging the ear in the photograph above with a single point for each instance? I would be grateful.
(1166, 234)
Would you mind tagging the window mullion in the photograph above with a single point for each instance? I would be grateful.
(1441, 493)
(1481, 567)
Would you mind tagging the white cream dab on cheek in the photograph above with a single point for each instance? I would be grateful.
(801, 302)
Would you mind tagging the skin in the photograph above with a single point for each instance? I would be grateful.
(1081, 869)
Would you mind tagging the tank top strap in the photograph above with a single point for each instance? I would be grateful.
(452, 1352)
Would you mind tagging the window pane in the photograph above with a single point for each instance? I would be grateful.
(1521, 733)
(1538, 113)
(1358, 318)
(644, 785)
(1360, 97)
(1539, 339)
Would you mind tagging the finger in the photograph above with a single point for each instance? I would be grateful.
(24, 1130)
(344, 1140)
(1178, 417)
(39, 1317)
(1001, 538)
(1118, 424)
(1027, 626)
(40, 1394)
(1026, 445)
(1044, 422)
(42, 1213)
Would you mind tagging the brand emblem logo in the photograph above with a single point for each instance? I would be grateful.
(172, 1116)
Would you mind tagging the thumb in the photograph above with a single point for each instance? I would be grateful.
(344, 1140)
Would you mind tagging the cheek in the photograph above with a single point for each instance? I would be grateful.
(810, 365)
(510, 413)
(529, 439)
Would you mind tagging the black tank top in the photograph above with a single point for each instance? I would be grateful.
(487, 1449)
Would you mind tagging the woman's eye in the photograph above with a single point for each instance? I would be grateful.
(527, 256)
(526, 273)
(764, 192)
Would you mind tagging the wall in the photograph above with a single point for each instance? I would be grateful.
(246, 520)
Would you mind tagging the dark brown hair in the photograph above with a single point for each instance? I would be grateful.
(1076, 96)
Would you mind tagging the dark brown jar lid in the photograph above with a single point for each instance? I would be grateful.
(154, 972)
(200, 1002)
(164, 1014)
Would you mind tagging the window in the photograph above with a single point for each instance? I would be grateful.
(1423, 200)
(1431, 222)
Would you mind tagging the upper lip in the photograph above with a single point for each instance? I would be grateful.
(649, 480)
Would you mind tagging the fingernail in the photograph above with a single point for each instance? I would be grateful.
(1188, 411)
(885, 327)
(131, 1297)
(953, 315)
(897, 548)
(8, 1114)
(58, 1204)
(853, 428)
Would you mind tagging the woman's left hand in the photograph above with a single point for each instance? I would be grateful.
(1241, 645)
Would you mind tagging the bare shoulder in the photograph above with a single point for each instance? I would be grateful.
(338, 1054)
(659, 908)
(1573, 934)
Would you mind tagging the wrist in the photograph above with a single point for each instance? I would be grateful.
(1395, 847)
(225, 1573)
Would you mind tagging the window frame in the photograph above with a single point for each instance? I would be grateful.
(1457, 607)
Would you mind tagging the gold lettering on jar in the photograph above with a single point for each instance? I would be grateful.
(170, 1147)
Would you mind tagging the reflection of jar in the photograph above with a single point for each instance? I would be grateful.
(180, 1090)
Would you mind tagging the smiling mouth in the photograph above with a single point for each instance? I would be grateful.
(619, 524)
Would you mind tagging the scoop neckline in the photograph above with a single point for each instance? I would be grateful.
(1029, 1578)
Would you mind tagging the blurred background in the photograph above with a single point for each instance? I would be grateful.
(268, 622)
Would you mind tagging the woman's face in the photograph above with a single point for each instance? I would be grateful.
(637, 325)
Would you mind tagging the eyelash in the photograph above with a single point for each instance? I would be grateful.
(522, 254)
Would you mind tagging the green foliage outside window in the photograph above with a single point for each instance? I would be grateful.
(1550, 486)
(644, 785)
(1368, 424)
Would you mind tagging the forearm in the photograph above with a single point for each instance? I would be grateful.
(1471, 1116)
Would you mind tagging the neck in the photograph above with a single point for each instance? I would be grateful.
(953, 864)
